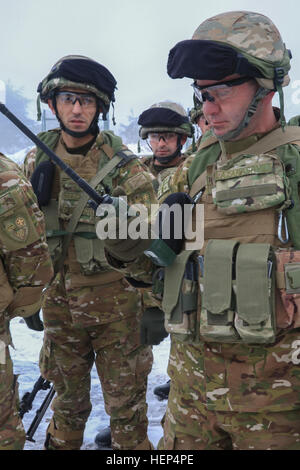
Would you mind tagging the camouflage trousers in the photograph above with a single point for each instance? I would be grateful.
(188, 424)
(12, 434)
(69, 351)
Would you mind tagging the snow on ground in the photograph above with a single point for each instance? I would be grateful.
(27, 345)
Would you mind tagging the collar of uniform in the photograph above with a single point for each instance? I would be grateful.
(239, 145)
(243, 144)
(82, 150)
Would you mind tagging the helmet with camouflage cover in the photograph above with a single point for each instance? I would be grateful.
(196, 111)
(166, 116)
(83, 73)
(236, 42)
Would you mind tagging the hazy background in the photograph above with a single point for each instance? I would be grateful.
(132, 38)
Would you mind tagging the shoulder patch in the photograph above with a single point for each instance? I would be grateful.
(16, 228)
(18, 225)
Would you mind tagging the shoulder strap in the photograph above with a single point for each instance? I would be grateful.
(81, 205)
(198, 184)
(273, 140)
(50, 138)
(125, 154)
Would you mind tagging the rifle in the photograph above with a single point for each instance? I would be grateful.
(26, 404)
(96, 198)
(39, 415)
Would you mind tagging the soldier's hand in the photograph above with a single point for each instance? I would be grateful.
(34, 322)
(152, 326)
(176, 221)
(124, 249)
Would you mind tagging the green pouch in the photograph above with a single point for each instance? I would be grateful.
(89, 250)
(180, 296)
(255, 282)
(217, 311)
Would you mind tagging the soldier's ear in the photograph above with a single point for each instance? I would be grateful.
(51, 106)
(183, 139)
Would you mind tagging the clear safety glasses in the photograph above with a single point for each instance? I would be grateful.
(67, 98)
(221, 91)
(166, 136)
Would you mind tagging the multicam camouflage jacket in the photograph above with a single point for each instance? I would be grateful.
(128, 177)
(25, 264)
(162, 174)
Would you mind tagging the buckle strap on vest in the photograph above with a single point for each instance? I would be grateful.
(126, 156)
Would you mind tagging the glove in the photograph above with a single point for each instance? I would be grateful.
(176, 221)
(152, 326)
(34, 322)
(163, 250)
(124, 249)
(170, 226)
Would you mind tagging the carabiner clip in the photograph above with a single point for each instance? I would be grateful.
(279, 233)
(197, 197)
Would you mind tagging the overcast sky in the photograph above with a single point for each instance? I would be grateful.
(132, 38)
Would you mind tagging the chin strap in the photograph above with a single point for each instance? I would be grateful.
(261, 93)
(281, 104)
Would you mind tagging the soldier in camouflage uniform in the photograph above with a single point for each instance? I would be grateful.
(166, 126)
(234, 361)
(91, 312)
(25, 269)
(197, 117)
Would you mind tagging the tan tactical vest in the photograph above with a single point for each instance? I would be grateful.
(85, 259)
(211, 314)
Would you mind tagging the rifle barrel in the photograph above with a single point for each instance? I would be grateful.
(39, 415)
